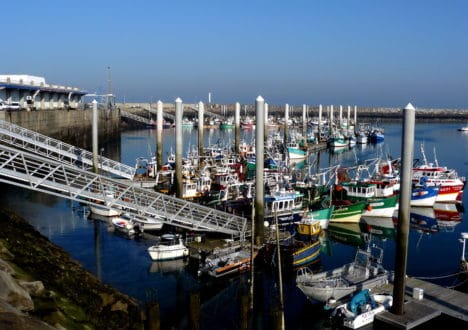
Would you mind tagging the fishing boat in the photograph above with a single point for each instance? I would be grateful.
(295, 251)
(305, 254)
(227, 261)
(365, 272)
(423, 195)
(361, 309)
(362, 137)
(464, 128)
(169, 246)
(286, 205)
(377, 135)
(379, 204)
(227, 123)
(248, 123)
(347, 211)
(451, 184)
(103, 208)
(126, 225)
(314, 220)
(295, 152)
(337, 140)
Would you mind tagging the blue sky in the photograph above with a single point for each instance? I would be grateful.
(358, 52)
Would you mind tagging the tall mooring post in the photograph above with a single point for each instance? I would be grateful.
(320, 123)
(260, 155)
(159, 134)
(355, 117)
(304, 121)
(237, 123)
(265, 131)
(201, 121)
(95, 137)
(286, 126)
(401, 255)
(178, 142)
(348, 119)
(341, 116)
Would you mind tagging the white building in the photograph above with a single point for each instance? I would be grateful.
(33, 93)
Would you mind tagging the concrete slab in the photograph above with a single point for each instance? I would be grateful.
(415, 314)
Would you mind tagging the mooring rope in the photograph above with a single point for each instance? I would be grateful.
(436, 277)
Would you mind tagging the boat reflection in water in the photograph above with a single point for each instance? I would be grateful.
(347, 233)
(422, 219)
(382, 227)
(168, 266)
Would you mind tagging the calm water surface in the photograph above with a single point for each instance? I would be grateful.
(434, 249)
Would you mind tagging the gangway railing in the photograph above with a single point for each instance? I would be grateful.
(137, 118)
(24, 169)
(22, 138)
(165, 114)
(209, 113)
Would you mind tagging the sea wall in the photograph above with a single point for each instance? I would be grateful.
(71, 126)
(362, 113)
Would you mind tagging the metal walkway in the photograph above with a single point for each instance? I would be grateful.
(37, 173)
(165, 114)
(206, 112)
(22, 138)
(139, 119)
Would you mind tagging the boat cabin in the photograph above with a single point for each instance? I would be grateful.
(283, 202)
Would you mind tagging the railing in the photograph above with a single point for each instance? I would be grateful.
(37, 173)
(22, 138)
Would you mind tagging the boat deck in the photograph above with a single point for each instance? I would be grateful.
(436, 300)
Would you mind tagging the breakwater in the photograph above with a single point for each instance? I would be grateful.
(363, 113)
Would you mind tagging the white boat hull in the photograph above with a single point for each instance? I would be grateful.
(168, 252)
(104, 211)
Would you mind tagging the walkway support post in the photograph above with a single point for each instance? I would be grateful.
(159, 134)
(178, 151)
(201, 122)
(95, 138)
(401, 255)
(260, 155)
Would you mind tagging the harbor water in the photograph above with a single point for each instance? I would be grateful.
(434, 249)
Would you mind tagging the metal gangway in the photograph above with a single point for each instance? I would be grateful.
(206, 112)
(165, 114)
(30, 171)
(22, 138)
(137, 118)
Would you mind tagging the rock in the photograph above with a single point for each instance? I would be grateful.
(5, 253)
(11, 318)
(14, 294)
(5, 266)
(34, 288)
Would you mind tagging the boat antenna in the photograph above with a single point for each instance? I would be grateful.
(423, 154)
(435, 158)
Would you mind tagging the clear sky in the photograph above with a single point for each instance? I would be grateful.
(357, 52)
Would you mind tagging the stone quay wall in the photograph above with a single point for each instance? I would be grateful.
(71, 126)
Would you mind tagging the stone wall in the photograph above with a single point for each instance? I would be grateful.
(71, 126)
